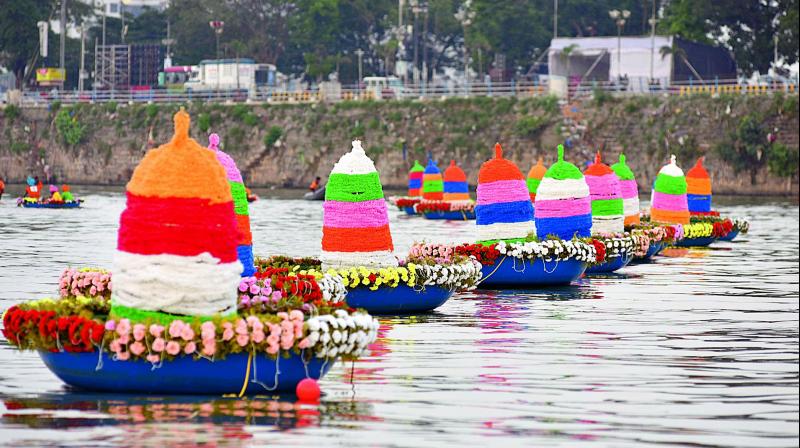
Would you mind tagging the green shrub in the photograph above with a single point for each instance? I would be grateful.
(601, 97)
(273, 134)
(783, 160)
(358, 131)
(68, 127)
(204, 122)
(110, 107)
(239, 111)
(55, 106)
(151, 111)
(251, 119)
(530, 126)
(235, 137)
(11, 112)
(19, 147)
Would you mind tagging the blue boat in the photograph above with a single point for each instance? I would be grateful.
(452, 215)
(402, 299)
(695, 242)
(610, 265)
(28, 204)
(518, 273)
(410, 210)
(731, 235)
(184, 375)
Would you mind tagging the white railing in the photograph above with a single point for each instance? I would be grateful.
(406, 92)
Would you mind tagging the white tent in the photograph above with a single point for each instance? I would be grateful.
(607, 58)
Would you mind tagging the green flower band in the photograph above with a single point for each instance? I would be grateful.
(353, 187)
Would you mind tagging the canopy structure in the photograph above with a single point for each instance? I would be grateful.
(586, 59)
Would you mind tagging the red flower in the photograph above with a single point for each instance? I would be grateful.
(600, 248)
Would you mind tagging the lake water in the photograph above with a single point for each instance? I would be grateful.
(699, 348)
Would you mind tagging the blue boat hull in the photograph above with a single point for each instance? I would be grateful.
(730, 236)
(516, 273)
(610, 265)
(400, 300)
(452, 216)
(50, 205)
(184, 375)
(695, 242)
(409, 210)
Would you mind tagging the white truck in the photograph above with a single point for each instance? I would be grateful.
(230, 74)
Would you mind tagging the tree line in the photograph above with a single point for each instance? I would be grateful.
(317, 37)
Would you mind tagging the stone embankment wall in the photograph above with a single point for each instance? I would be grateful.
(287, 145)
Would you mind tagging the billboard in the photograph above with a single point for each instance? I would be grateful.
(50, 76)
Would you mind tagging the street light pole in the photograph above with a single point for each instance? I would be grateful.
(465, 15)
(619, 17)
(360, 54)
(63, 37)
(217, 26)
(652, 41)
(555, 19)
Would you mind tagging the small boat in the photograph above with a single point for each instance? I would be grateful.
(518, 273)
(730, 236)
(410, 211)
(401, 299)
(458, 215)
(185, 375)
(610, 265)
(695, 242)
(29, 204)
(252, 197)
(316, 195)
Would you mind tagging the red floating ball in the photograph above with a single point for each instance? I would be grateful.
(308, 390)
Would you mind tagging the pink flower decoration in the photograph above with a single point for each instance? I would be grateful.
(258, 336)
(227, 334)
(283, 315)
(153, 358)
(173, 348)
(189, 348)
(175, 328)
(296, 315)
(276, 295)
(210, 349)
(207, 330)
(123, 327)
(124, 339)
(305, 343)
(139, 332)
(123, 356)
(93, 291)
(241, 326)
(137, 348)
(187, 334)
(156, 330)
(158, 345)
(242, 340)
(111, 325)
(272, 349)
(114, 346)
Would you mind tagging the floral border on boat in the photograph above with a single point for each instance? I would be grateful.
(466, 206)
(278, 323)
(587, 250)
(401, 202)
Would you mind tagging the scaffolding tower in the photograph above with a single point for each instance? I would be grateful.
(112, 67)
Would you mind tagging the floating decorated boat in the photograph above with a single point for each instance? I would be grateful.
(455, 203)
(407, 203)
(511, 249)
(699, 194)
(179, 318)
(48, 204)
(357, 246)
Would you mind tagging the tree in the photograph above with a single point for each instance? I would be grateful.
(747, 28)
(747, 148)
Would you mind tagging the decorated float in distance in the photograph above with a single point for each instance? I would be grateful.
(446, 197)
(512, 250)
(357, 247)
(651, 238)
(699, 196)
(670, 205)
(176, 316)
(608, 217)
(407, 203)
(57, 199)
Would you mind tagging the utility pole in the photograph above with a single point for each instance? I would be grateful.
(63, 37)
(555, 19)
(652, 40)
(619, 18)
(360, 54)
(82, 71)
(425, 48)
(415, 38)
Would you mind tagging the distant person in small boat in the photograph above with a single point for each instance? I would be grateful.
(66, 195)
(55, 196)
(32, 191)
(2, 187)
(39, 184)
(315, 185)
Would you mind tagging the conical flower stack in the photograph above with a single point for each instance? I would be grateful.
(456, 187)
(698, 188)
(504, 210)
(670, 204)
(606, 195)
(415, 180)
(355, 228)
(432, 183)
(630, 191)
(240, 207)
(563, 206)
(535, 176)
(176, 251)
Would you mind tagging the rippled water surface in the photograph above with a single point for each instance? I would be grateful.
(699, 348)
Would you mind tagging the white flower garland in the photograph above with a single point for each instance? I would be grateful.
(461, 276)
(618, 245)
(549, 250)
(340, 334)
(332, 287)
